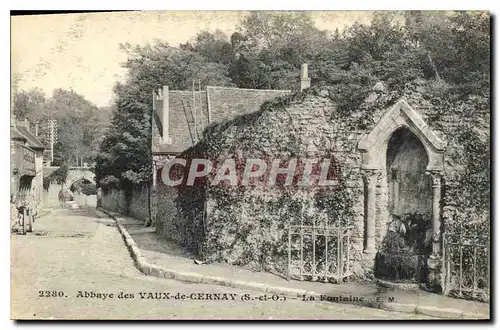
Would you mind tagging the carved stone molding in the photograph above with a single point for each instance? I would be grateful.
(373, 146)
(436, 177)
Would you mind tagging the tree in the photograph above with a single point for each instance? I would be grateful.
(270, 47)
(80, 123)
(123, 158)
(214, 47)
(30, 105)
(456, 45)
(153, 66)
(264, 30)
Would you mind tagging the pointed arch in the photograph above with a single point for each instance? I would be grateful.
(374, 144)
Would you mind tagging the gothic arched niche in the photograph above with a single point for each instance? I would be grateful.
(374, 144)
(410, 190)
(400, 158)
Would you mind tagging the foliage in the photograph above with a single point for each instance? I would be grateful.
(125, 149)
(29, 104)
(270, 47)
(84, 186)
(429, 46)
(402, 266)
(476, 177)
(80, 123)
(109, 182)
(58, 176)
(65, 196)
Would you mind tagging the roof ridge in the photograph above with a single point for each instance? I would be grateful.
(31, 138)
(251, 89)
(186, 91)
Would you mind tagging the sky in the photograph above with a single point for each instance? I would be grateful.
(81, 51)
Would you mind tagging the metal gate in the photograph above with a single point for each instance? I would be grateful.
(466, 265)
(319, 253)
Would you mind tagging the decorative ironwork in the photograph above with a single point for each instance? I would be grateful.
(319, 253)
(466, 264)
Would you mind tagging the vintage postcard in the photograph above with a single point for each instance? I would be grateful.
(256, 165)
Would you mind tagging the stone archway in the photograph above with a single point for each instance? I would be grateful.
(374, 148)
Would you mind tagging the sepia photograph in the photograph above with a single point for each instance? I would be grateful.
(250, 165)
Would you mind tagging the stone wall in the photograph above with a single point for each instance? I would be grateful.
(135, 203)
(169, 222)
(85, 200)
(114, 200)
(247, 226)
(51, 196)
(449, 121)
(139, 204)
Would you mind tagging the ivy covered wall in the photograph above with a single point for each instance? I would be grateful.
(247, 226)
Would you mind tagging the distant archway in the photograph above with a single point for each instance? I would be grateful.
(83, 186)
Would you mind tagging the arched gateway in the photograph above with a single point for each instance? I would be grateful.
(396, 157)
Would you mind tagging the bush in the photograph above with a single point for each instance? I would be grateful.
(65, 196)
(84, 186)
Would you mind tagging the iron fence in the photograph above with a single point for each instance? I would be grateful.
(319, 253)
(466, 265)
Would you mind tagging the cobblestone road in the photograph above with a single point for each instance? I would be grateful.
(76, 254)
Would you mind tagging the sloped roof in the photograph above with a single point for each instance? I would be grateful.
(32, 140)
(15, 134)
(190, 114)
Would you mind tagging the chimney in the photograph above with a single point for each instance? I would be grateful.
(166, 118)
(25, 123)
(305, 81)
(160, 99)
(36, 129)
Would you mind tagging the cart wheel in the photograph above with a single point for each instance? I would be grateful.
(29, 225)
(22, 225)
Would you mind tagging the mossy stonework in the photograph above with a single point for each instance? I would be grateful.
(381, 189)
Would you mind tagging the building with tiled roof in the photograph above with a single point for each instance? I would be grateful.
(188, 113)
(179, 117)
(26, 161)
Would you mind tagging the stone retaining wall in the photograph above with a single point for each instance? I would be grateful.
(135, 204)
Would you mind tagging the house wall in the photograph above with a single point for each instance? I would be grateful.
(184, 111)
(37, 183)
(215, 104)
